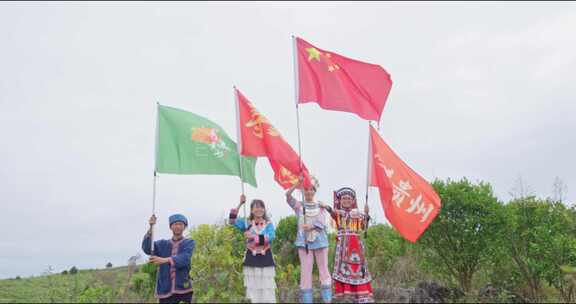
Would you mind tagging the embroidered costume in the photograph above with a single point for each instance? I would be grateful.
(317, 241)
(351, 276)
(259, 264)
(173, 280)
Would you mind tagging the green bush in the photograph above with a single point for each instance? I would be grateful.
(283, 246)
(383, 247)
(464, 236)
(98, 294)
(73, 270)
(539, 242)
(217, 264)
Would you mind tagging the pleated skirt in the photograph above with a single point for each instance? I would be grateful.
(260, 284)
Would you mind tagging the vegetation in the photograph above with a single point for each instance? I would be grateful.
(73, 270)
(478, 249)
(462, 238)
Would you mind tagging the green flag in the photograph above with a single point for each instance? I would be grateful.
(192, 144)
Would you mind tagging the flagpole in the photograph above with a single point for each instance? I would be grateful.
(239, 145)
(368, 173)
(368, 164)
(296, 97)
(155, 182)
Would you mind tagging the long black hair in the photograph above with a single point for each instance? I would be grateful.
(260, 203)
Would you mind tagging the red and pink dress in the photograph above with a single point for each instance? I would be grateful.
(352, 280)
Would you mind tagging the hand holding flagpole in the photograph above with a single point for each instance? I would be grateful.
(154, 184)
(153, 215)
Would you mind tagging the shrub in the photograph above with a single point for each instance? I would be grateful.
(217, 264)
(73, 270)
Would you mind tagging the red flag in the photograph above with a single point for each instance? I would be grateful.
(285, 177)
(409, 202)
(339, 83)
(259, 138)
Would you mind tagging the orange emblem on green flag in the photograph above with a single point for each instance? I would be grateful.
(191, 144)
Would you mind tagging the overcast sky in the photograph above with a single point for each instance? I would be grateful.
(482, 90)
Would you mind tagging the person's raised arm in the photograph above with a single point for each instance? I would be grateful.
(329, 209)
(233, 217)
(289, 198)
(148, 237)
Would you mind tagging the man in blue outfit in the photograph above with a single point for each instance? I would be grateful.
(173, 283)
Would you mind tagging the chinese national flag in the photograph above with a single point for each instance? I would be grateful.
(410, 203)
(259, 138)
(339, 83)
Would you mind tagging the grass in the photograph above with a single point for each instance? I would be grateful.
(103, 285)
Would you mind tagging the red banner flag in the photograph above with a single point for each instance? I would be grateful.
(410, 203)
(339, 83)
(259, 138)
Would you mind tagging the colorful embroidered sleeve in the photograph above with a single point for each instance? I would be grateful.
(363, 217)
(268, 236)
(233, 216)
(293, 203)
(240, 224)
(333, 213)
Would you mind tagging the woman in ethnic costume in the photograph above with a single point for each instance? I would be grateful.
(259, 264)
(312, 242)
(351, 276)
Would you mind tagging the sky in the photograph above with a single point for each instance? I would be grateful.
(482, 90)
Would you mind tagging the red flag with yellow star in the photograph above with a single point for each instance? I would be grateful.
(410, 203)
(259, 138)
(339, 83)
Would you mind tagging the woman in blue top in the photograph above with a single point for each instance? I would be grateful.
(259, 264)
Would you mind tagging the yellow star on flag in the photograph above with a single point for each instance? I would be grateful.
(313, 53)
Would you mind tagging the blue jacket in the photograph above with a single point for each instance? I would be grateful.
(173, 277)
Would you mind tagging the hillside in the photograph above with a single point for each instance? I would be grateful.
(471, 253)
(86, 286)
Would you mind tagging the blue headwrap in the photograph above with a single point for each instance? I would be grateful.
(177, 218)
